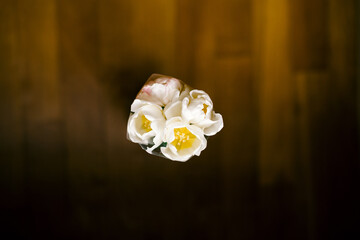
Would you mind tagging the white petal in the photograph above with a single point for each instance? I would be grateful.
(185, 112)
(130, 129)
(175, 122)
(158, 126)
(153, 113)
(205, 123)
(216, 127)
(200, 135)
(137, 104)
(185, 92)
(157, 142)
(133, 132)
(171, 155)
(200, 94)
(171, 152)
(173, 110)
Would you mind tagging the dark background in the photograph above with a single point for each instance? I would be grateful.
(283, 73)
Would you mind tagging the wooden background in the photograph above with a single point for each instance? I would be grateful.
(282, 73)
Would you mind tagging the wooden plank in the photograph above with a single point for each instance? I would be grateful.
(187, 17)
(238, 143)
(309, 31)
(10, 111)
(310, 99)
(87, 163)
(154, 40)
(222, 67)
(232, 21)
(11, 123)
(278, 191)
(144, 34)
(337, 137)
(143, 43)
(42, 107)
(276, 96)
(44, 165)
(330, 126)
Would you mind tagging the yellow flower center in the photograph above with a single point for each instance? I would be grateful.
(183, 138)
(205, 108)
(146, 123)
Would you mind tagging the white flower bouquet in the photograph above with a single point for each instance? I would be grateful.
(172, 120)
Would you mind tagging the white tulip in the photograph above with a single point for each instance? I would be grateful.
(167, 115)
(183, 140)
(146, 124)
(162, 90)
(197, 109)
(173, 109)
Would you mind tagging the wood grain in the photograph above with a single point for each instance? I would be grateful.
(283, 74)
